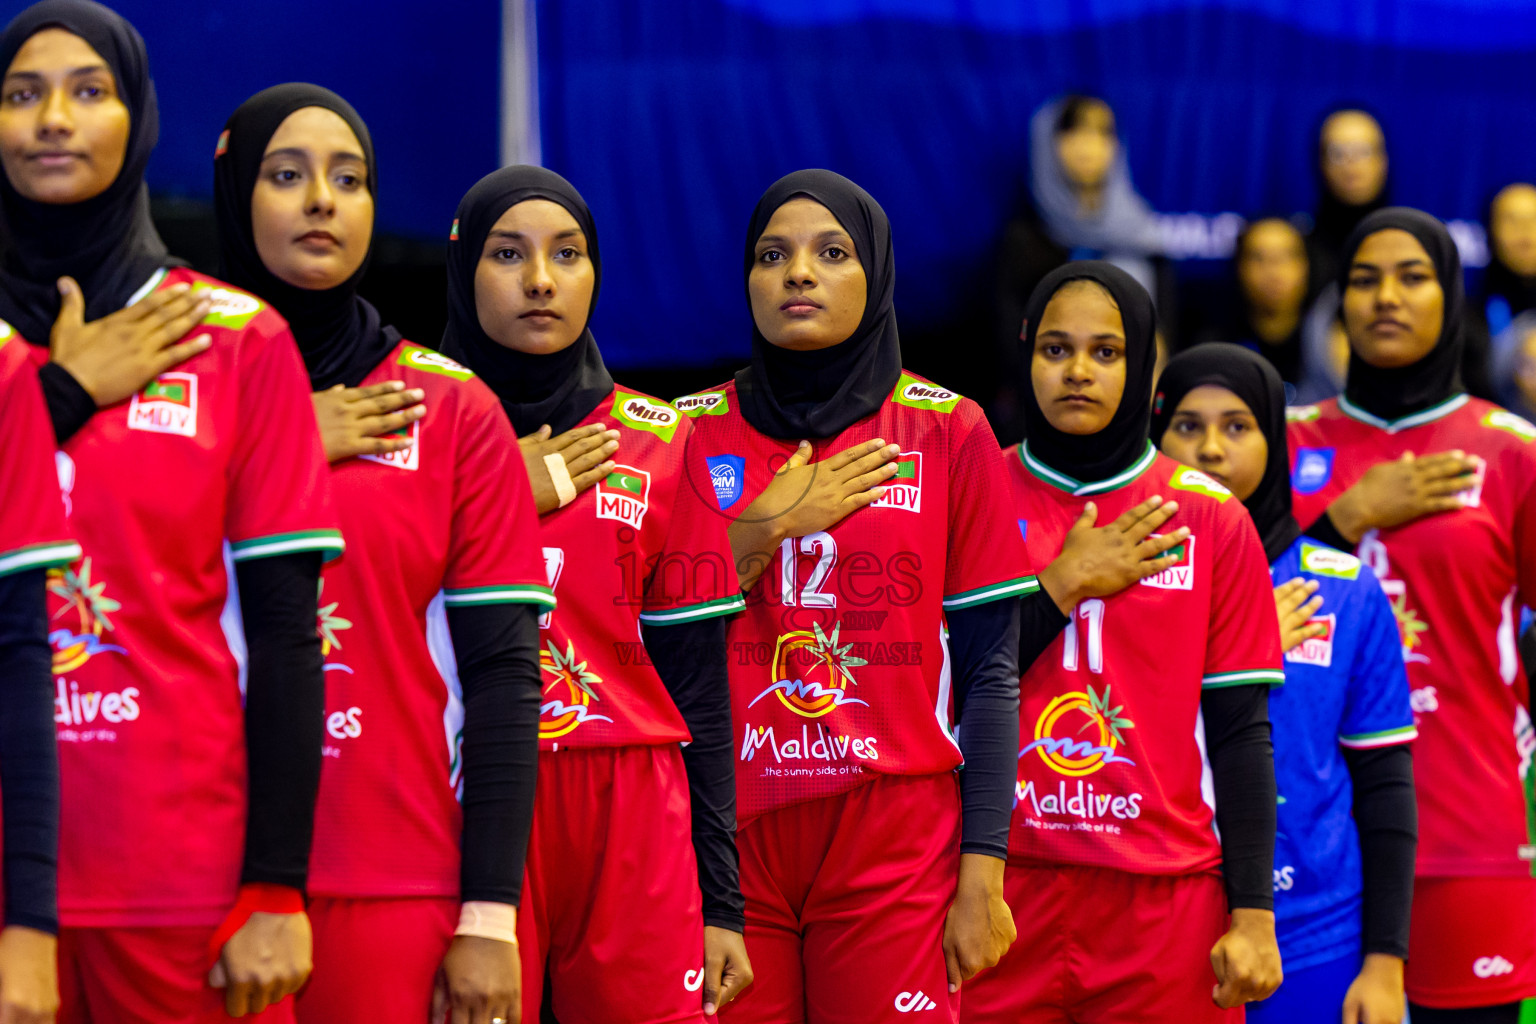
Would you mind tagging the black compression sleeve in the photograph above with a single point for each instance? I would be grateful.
(983, 651)
(1242, 758)
(1324, 530)
(1039, 623)
(690, 659)
(496, 648)
(70, 406)
(284, 714)
(29, 763)
(1386, 817)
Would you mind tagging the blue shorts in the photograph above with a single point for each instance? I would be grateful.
(1310, 994)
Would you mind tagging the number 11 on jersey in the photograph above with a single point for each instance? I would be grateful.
(1090, 611)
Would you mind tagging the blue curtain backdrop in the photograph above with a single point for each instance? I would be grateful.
(426, 78)
(672, 117)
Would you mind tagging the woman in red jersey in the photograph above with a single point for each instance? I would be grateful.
(430, 620)
(866, 513)
(632, 912)
(183, 805)
(1144, 725)
(1433, 490)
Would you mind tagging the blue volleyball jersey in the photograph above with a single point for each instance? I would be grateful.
(1347, 688)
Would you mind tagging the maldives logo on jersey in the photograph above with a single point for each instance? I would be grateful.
(1181, 574)
(811, 672)
(726, 473)
(427, 361)
(905, 489)
(405, 458)
(1314, 468)
(1317, 650)
(87, 616)
(167, 405)
(624, 495)
(571, 702)
(1059, 739)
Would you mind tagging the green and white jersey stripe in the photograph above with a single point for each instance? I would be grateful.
(1434, 412)
(513, 593)
(1384, 738)
(694, 612)
(1018, 587)
(327, 541)
(1080, 488)
(1265, 676)
(39, 556)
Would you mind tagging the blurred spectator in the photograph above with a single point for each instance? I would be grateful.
(1509, 283)
(1271, 284)
(1514, 360)
(1082, 206)
(1352, 166)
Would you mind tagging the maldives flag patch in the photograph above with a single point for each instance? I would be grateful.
(905, 489)
(167, 405)
(1181, 574)
(1317, 650)
(405, 458)
(624, 495)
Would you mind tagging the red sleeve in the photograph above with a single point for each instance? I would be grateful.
(494, 555)
(985, 560)
(32, 530)
(1243, 645)
(279, 481)
(695, 576)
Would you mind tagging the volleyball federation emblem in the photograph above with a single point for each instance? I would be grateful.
(1079, 733)
(725, 473)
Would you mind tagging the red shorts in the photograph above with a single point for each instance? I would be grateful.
(846, 901)
(1472, 942)
(611, 906)
(148, 975)
(375, 959)
(1099, 945)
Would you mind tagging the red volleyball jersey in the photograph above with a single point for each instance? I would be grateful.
(1112, 764)
(1456, 581)
(643, 546)
(447, 522)
(219, 457)
(32, 530)
(839, 666)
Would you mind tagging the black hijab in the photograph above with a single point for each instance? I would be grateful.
(339, 333)
(1392, 393)
(561, 388)
(1094, 457)
(106, 243)
(793, 395)
(1250, 377)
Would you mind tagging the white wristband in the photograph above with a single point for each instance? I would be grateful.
(561, 478)
(486, 920)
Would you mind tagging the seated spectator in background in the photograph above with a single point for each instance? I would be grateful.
(1082, 206)
(1509, 283)
(1352, 170)
(1514, 364)
(1270, 266)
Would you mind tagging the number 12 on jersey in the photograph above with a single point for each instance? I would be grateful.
(791, 592)
(1091, 612)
